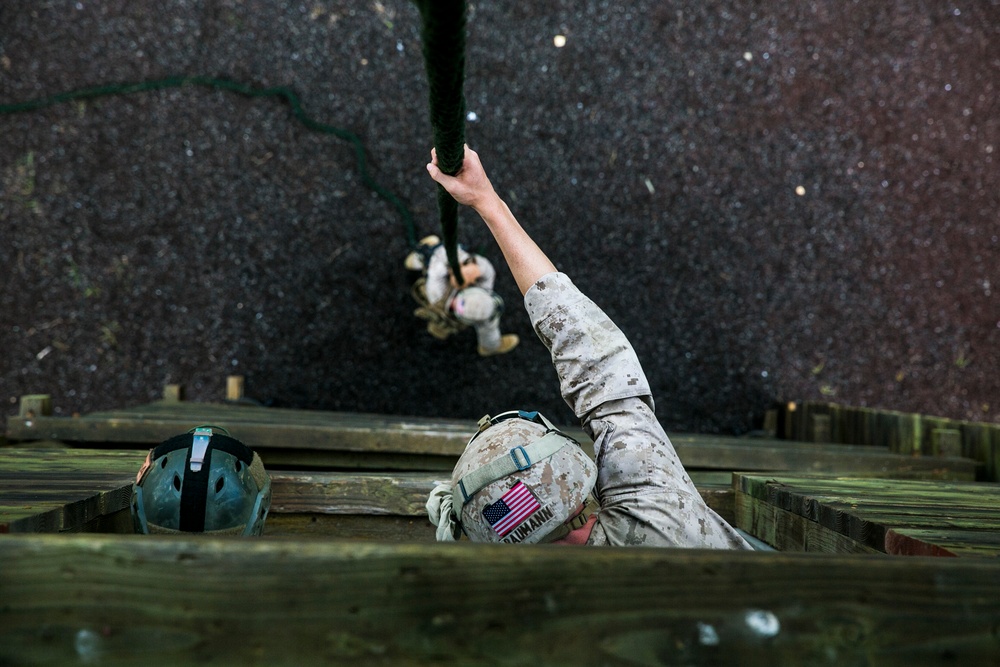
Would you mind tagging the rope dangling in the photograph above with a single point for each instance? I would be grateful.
(443, 37)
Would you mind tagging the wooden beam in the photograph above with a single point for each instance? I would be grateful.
(820, 428)
(904, 433)
(173, 393)
(786, 531)
(770, 425)
(946, 442)
(53, 490)
(105, 599)
(405, 494)
(385, 528)
(35, 405)
(871, 511)
(259, 428)
(302, 438)
(351, 493)
(941, 542)
(56, 490)
(234, 387)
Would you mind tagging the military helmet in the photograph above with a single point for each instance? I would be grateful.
(520, 480)
(201, 482)
(474, 305)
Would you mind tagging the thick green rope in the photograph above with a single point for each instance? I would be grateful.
(443, 37)
(285, 94)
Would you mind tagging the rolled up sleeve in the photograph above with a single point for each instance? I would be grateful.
(592, 357)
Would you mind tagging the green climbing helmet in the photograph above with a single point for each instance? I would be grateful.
(201, 482)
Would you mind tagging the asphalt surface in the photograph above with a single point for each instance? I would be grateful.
(774, 201)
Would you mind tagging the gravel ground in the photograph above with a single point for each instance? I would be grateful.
(773, 201)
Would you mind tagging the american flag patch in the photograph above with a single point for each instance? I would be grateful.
(514, 506)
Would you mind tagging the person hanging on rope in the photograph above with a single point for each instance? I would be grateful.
(449, 307)
(520, 480)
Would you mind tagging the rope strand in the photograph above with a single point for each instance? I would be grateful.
(443, 39)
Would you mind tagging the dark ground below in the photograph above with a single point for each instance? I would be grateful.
(774, 201)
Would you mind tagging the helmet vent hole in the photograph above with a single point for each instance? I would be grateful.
(163, 462)
(219, 484)
(239, 465)
(177, 482)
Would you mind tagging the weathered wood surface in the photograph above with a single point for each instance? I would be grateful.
(364, 527)
(258, 427)
(943, 542)
(303, 503)
(901, 432)
(56, 490)
(130, 599)
(314, 439)
(786, 531)
(874, 513)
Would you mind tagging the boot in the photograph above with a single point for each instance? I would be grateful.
(507, 343)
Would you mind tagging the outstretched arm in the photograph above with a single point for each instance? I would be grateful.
(472, 187)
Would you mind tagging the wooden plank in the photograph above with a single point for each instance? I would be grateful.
(942, 542)
(353, 493)
(45, 490)
(101, 599)
(903, 433)
(234, 387)
(62, 514)
(786, 531)
(405, 494)
(52, 490)
(296, 437)
(720, 453)
(820, 429)
(173, 393)
(809, 496)
(258, 430)
(868, 511)
(320, 459)
(946, 442)
(981, 442)
(35, 405)
(385, 528)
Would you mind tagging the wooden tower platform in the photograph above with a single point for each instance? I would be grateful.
(348, 571)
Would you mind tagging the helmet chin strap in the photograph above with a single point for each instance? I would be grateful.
(579, 521)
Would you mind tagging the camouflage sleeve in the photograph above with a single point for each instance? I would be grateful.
(592, 357)
(646, 496)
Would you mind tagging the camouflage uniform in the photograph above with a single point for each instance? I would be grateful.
(646, 497)
(440, 291)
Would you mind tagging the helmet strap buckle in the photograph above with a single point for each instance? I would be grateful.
(199, 447)
(523, 456)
